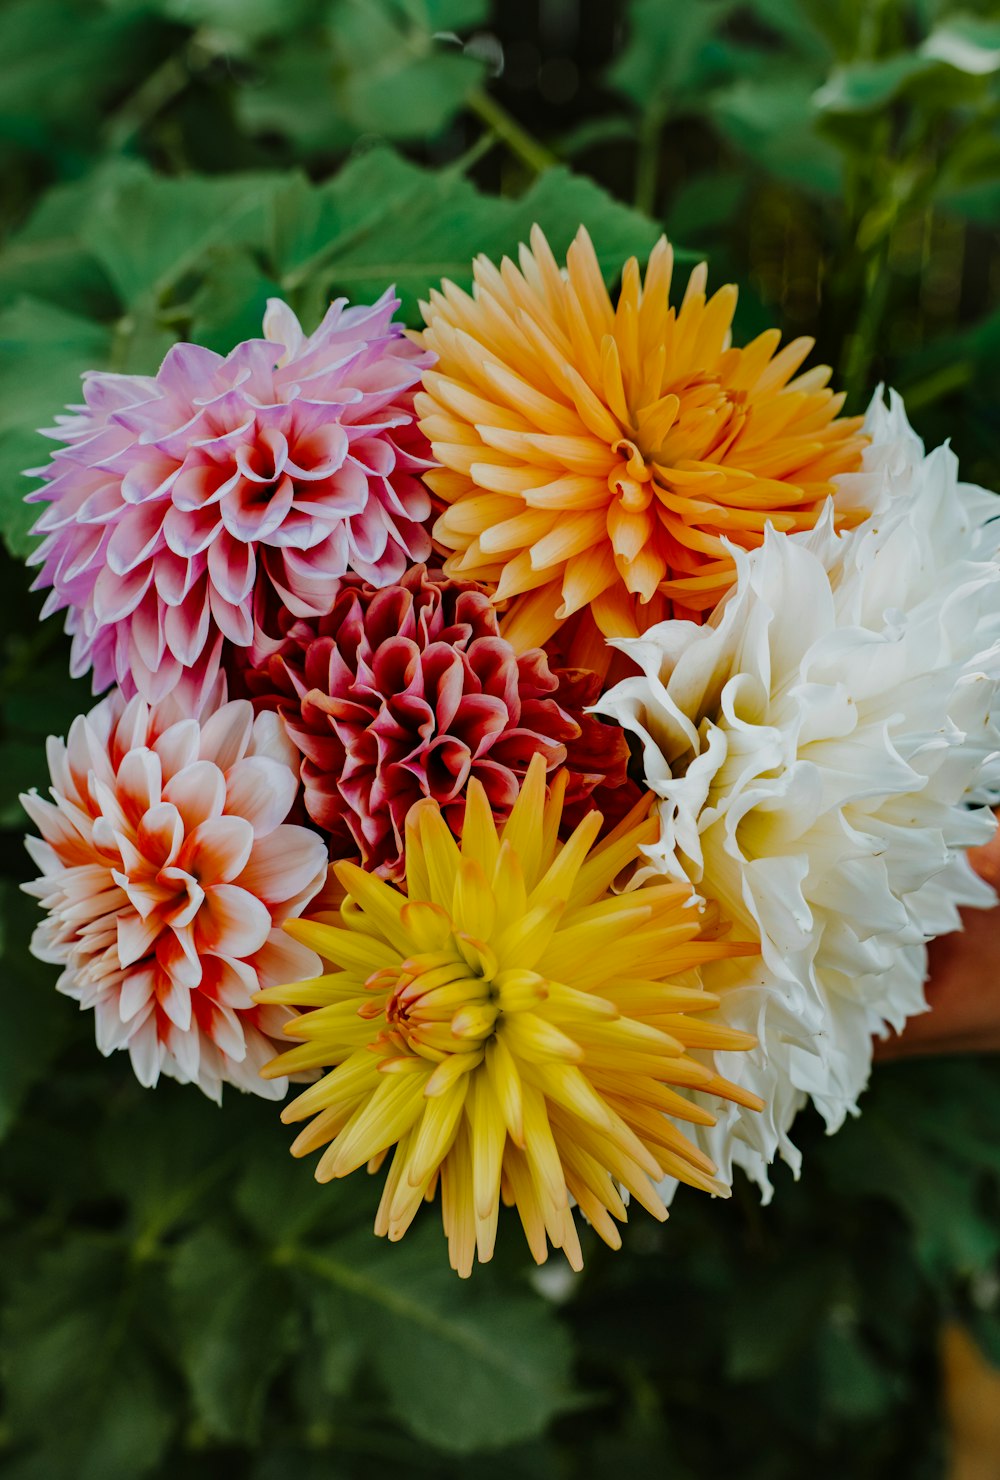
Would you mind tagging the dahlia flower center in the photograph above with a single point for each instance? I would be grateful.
(449, 1000)
(696, 422)
(289, 464)
(262, 467)
(631, 479)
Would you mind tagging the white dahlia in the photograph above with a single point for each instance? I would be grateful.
(825, 750)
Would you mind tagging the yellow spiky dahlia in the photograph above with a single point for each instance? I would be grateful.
(599, 456)
(508, 1028)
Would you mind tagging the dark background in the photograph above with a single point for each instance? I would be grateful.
(177, 1296)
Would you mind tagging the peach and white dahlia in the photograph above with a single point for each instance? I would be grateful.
(507, 1029)
(824, 751)
(185, 506)
(606, 458)
(167, 871)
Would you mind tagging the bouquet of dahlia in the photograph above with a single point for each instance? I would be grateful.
(551, 737)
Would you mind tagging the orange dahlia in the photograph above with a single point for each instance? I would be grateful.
(600, 456)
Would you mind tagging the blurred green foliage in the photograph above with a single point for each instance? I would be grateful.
(177, 1295)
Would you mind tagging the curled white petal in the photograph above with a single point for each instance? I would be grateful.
(824, 752)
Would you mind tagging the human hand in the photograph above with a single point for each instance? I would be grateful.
(964, 984)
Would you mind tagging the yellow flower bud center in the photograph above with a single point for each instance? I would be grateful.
(450, 1000)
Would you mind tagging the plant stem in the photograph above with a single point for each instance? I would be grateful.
(120, 340)
(470, 157)
(159, 89)
(944, 382)
(648, 160)
(861, 346)
(507, 129)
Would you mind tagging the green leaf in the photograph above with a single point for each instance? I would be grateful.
(706, 203)
(36, 1019)
(58, 60)
(923, 1142)
(969, 43)
(190, 1149)
(775, 1319)
(865, 86)
(346, 236)
(855, 1386)
(79, 1382)
(236, 1328)
(329, 1355)
(147, 232)
(43, 353)
(393, 76)
(237, 22)
(294, 98)
(413, 101)
(230, 302)
(669, 57)
(771, 116)
(47, 260)
(281, 1201)
(793, 22)
(384, 68)
(449, 15)
(36, 700)
(968, 181)
(464, 1365)
(593, 133)
(303, 1464)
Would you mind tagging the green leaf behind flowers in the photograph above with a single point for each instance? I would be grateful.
(466, 1366)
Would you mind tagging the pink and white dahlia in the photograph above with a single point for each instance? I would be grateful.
(186, 506)
(167, 870)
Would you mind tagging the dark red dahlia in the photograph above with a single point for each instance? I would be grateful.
(597, 760)
(407, 692)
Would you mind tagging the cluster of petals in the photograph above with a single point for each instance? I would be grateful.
(606, 458)
(824, 751)
(409, 691)
(185, 506)
(542, 973)
(508, 1030)
(167, 871)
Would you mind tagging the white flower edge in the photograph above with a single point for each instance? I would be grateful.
(824, 752)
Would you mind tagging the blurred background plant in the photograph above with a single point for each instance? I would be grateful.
(177, 1295)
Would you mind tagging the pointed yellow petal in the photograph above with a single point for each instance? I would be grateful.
(521, 831)
(395, 1104)
(441, 855)
(343, 947)
(435, 1131)
(381, 902)
(479, 835)
(474, 908)
(559, 878)
(488, 1133)
(506, 1084)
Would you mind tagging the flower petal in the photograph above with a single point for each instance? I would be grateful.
(231, 922)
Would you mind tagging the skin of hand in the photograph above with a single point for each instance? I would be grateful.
(963, 988)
